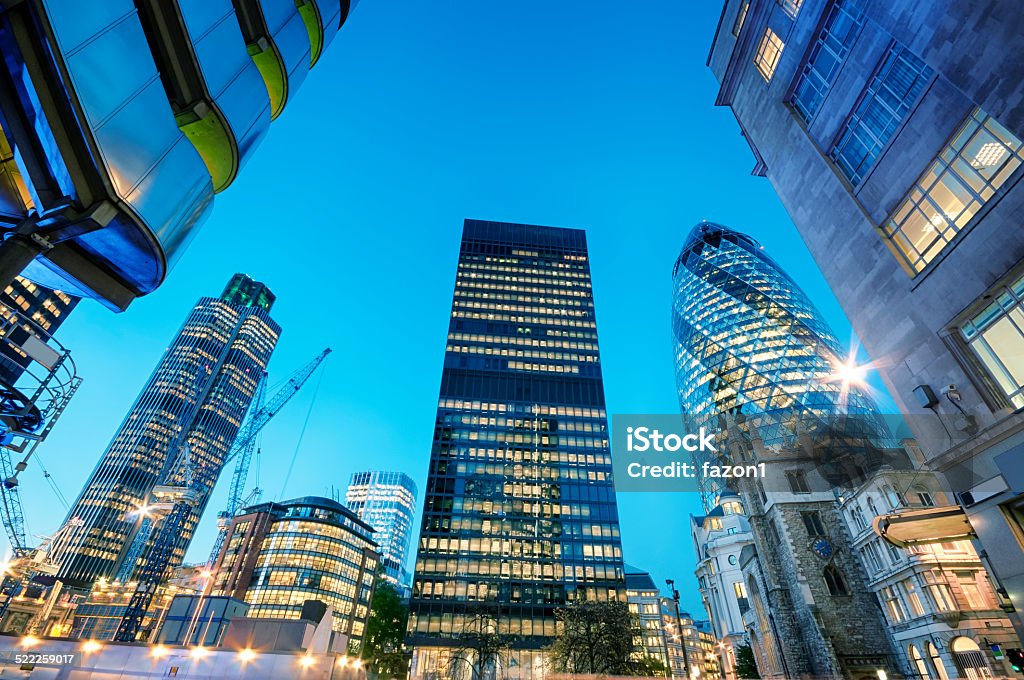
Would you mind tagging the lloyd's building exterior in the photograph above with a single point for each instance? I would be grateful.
(519, 514)
(120, 120)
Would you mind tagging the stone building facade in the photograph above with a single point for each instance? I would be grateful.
(718, 539)
(892, 133)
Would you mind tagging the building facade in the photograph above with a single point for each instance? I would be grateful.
(387, 502)
(644, 602)
(940, 605)
(750, 344)
(27, 309)
(892, 134)
(196, 399)
(106, 170)
(279, 555)
(718, 539)
(519, 512)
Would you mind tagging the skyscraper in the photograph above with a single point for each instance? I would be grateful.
(749, 343)
(196, 397)
(387, 502)
(519, 513)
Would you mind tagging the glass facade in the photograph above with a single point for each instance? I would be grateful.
(841, 27)
(197, 396)
(748, 341)
(893, 89)
(971, 168)
(278, 555)
(519, 512)
(387, 502)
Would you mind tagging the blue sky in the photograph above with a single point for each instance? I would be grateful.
(583, 114)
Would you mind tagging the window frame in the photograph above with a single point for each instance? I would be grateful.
(886, 64)
(760, 63)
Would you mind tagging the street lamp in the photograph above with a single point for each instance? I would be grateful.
(679, 622)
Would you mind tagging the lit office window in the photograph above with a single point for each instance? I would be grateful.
(790, 7)
(741, 16)
(768, 54)
(971, 168)
(841, 28)
(886, 101)
(996, 335)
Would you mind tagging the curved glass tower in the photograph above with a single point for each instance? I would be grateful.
(749, 343)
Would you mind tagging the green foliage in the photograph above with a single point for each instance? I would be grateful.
(746, 666)
(649, 667)
(596, 638)
(383, 644)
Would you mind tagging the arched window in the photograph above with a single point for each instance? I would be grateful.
(871, 507)
(923, 497)
(918, 661)
(936, 660)
(894, 497)
(969, 658)
(835, 582)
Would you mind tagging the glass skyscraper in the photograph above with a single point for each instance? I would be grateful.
(197, 396)
(747, 341)
(519, 513)
(387, 502)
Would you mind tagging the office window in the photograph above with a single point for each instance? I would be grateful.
(768, 54)
(979, 158)
(893, 604)
(739, 589)
(996, 336)
(835, 582)
(741, 16)
(893, 89)
(841, 28)
(972, 590)
(913, 597)
(940, 591)
(923, 497)
(797, 481)
(790, 7)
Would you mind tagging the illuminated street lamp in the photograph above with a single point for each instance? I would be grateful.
(679, 622)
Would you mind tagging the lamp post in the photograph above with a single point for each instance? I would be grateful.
(679, 623)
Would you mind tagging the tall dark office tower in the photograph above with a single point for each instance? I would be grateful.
(197, 396)
(519, 513)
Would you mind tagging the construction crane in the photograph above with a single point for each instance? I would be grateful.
(175, 501)
(28, 411)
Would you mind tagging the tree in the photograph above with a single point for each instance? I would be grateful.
(481, 650)
(596, 638)
(383, 641)
(650, 667)
(746, 665)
